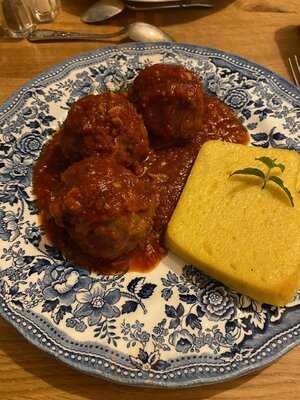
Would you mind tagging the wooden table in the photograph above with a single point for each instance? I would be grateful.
(264, 31)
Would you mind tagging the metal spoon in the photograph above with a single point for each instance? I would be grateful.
(137, 31)
(102, 10)
(105, 9)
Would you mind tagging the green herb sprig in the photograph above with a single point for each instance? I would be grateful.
(271, 164)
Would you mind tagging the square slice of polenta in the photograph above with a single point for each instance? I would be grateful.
(234, 231)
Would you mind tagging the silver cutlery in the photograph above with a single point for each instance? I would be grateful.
(102, 10)
(140, 5)
(295, 69)
(137, 31)
(105, 9)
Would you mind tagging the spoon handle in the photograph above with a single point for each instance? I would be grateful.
(46, 35)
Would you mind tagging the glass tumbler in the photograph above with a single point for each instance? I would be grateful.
(16, 18)
(44, 10)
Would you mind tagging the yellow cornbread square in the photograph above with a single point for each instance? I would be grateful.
(246, 237)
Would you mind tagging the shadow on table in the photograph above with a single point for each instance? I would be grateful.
(63, 378)
(5, 38)
(288, 41)
(161, 17)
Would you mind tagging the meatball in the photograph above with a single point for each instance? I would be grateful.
(106, 209)
(105, 124)
(170, 99)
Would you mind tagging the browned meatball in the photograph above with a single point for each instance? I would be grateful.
(103, 206)
(104, 124)
(170, 99)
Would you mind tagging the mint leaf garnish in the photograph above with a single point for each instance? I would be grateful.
(280, 183)
(271, 164)
(249, 171)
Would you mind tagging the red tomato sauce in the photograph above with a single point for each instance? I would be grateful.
(166, 169)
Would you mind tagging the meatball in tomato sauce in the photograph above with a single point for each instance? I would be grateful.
(106, 124)
(170, 99)
(103, 206)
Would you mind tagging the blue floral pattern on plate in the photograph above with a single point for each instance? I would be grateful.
(171, 327)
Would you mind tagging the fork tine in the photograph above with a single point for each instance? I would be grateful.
(297, 64)
(294, 74)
